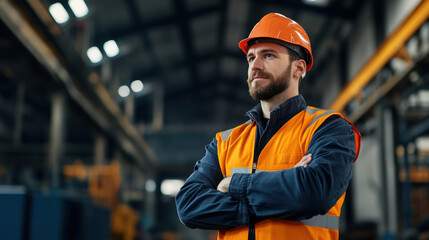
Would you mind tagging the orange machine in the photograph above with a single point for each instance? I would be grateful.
(103, 186)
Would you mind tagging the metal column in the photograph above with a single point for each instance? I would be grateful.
(391, 172)
(56, 137)
(406, 186)
(99, 149)
(385, 129)
(19, 110)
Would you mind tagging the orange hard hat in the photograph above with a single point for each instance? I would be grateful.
(273, 27)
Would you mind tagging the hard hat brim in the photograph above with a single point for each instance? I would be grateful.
(244, 46)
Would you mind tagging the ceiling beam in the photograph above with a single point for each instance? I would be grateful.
(222, 26)
(143, 32)
(332, 10)
(145, 26)
(83, 86)
(184, 23)
(152, 72)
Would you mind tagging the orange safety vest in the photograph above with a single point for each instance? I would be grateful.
(284, 150)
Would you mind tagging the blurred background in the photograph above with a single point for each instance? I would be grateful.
(106, 105)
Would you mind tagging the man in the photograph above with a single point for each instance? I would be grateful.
(284, 173)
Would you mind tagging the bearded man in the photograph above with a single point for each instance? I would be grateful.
(282, 174)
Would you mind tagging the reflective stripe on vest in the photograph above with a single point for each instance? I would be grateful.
(225, 134)
(313, 111)
(240, 170)
(324, 221)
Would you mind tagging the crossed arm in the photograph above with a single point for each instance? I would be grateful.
(224, 184)
(291, 194)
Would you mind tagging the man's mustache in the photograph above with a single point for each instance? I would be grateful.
(259, 74)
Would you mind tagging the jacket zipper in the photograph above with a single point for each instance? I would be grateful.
(252, 233)
(252, 224)
(257, 151)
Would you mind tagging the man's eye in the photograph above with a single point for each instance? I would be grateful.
(250, 59)
(268, 55)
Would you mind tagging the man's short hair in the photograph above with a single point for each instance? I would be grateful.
(296, 49)
(293, 55)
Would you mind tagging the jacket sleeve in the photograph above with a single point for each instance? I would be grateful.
(200, 205)
(300, 193)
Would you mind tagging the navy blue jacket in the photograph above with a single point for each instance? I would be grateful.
(300, 192)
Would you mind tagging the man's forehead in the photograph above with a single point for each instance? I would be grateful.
(266, 46)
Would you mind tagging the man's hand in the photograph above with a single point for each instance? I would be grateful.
(224, 184)
(304, 161)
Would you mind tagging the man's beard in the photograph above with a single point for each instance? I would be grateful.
(276, 86)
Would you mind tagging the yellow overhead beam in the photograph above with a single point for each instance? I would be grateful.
(390, 46)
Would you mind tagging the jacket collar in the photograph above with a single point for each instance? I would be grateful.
(282, 113)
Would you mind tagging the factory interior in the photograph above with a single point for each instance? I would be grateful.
(107, 105)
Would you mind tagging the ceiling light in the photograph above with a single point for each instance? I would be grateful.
(170, 187)
(111, 48)
(150, 185)
(124, 91)
(94, 54)
(137, 86)
(78, 7)
(59, 13)
(320, 3)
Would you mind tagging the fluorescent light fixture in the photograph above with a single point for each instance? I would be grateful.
(320, 3)
(124, 91)
(94, 54)
(137, 86)
(78, 7)
(170, 187)
(422, 143)
(59, 13)
(150, 185)
(111, 48)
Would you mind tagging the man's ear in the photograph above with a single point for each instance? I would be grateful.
(299, 68)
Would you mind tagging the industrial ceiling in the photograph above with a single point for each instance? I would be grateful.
(184, 51)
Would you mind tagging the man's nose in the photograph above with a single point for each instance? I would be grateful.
(257, 64)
